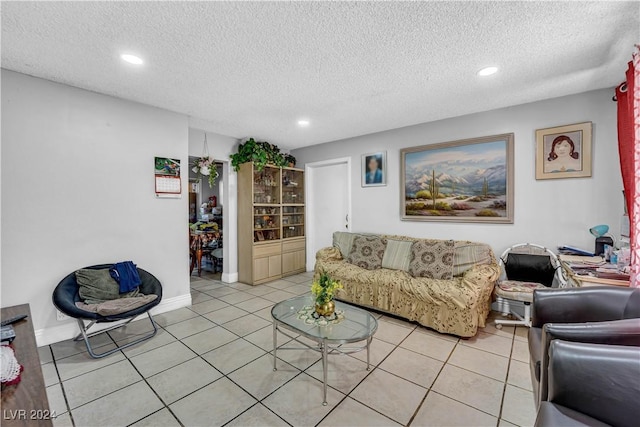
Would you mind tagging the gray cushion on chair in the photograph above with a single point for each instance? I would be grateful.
(97, 286)
(117, 306)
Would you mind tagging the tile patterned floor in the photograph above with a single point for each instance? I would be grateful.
(210, 365)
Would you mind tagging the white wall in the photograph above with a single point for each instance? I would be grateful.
(549, 212)
(221, 147)
(78, 189)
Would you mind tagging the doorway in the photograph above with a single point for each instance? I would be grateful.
(328, 189)
(206, 223)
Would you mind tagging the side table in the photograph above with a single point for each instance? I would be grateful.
(597, 279)
(26, 403)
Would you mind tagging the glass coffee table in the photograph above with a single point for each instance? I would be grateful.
(351, 325)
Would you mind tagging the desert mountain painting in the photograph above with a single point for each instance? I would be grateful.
(468, 180)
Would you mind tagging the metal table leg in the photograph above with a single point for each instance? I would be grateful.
(275, 344)
(368, 348)
(325, 367)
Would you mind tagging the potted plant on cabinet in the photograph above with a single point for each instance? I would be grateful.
(261, 153)
(289, 160)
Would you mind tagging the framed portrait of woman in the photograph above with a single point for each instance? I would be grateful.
(564, 151)
(374, 169)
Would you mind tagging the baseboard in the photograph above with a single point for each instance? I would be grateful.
(230, 277)
(69, 329)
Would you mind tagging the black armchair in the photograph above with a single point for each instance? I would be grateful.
(591, 385)
(601, 315)
(66, 295)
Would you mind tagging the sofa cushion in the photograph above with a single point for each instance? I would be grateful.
(367, 252)
(343, 241)
(397, 255)
(432, 259)
(467, 255)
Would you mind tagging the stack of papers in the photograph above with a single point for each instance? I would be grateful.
(580, 264)
(572, 250)
(582, 260)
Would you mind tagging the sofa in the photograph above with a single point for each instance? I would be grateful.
(591, 385)
(441, 284)
(598, 315)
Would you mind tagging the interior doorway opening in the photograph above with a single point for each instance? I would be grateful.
(328, 189)
(206, 223)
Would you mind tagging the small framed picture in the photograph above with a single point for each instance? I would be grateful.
(564, 151)
(374, 169)
(260, 236)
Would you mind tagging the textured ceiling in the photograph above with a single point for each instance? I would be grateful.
(352, 68)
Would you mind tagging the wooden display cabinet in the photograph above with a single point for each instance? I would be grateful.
(271, 221)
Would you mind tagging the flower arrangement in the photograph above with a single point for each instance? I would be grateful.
(206, 166)
(325, 288)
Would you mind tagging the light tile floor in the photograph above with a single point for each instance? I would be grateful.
(210, 365)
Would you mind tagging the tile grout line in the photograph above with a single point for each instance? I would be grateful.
(415, 413)
(396, 346)
(165, 405)
(64, 394)
(504, 389)
(305, 371)
(258, 401)
(378, 366)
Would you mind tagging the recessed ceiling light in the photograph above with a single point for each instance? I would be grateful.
(488, 71)
(303, 123)
(131, 59)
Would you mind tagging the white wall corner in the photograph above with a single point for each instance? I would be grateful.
(69, 329)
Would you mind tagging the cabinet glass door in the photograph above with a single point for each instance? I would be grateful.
(266, 186)
(292, 187)
(292, 221)
(266, 224)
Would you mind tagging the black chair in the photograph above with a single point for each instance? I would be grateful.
(66, 295)
(599, 315)
(591, 385)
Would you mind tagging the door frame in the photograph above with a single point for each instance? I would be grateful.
(229, 202)
(311, 218)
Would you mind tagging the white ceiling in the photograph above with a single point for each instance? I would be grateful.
(352, 68)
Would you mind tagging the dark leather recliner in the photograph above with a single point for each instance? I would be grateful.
(603, 315)
(591, 385)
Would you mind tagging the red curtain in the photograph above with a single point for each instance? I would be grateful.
(628, 95)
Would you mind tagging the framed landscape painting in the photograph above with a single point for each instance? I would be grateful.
(460, 181)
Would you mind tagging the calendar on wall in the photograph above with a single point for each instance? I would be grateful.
(167, 176)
